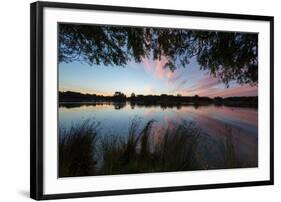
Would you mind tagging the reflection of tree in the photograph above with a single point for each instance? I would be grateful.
(119, 105)
(132, 104)
(227, 55)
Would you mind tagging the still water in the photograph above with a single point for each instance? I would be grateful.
(213, 120)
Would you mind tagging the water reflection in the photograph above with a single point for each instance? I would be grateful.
(217, 122)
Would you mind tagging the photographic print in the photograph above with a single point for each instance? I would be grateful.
(148, 99)
(128, 100)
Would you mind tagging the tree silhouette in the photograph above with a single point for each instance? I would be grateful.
(227, 55)
(119, 96)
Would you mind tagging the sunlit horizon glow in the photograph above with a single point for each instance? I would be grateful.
(147, 78)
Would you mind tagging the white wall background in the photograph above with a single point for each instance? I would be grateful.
(14, 100)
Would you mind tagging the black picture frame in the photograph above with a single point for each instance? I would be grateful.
(36, 98)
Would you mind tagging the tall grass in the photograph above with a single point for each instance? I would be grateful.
(77, 149)
(178, 148)
(230, 157)
(83, 152)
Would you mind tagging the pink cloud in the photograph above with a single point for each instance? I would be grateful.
(209, 86)
(170, 76)
(244, 90)
(183, 82)
(201, 87)
(207, 82)
(158, 70)
(179, 86)
(148, 66)
(174, 76)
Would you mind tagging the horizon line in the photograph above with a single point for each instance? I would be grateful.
(178, 94)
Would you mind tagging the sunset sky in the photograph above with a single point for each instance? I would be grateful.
(147, 77)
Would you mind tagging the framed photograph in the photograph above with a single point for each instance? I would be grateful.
(136, 100)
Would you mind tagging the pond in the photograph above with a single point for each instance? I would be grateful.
(216, 122)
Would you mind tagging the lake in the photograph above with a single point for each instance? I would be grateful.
(215, 122)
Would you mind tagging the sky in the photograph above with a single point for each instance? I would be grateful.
(148, 77)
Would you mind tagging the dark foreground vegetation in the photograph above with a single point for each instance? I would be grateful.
(84, 152)
(163, 100)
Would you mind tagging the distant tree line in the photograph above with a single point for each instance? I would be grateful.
(120, 99)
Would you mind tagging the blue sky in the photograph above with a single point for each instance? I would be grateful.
(147, 77)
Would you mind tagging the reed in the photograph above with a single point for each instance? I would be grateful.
(77, 149)
(83, 151)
